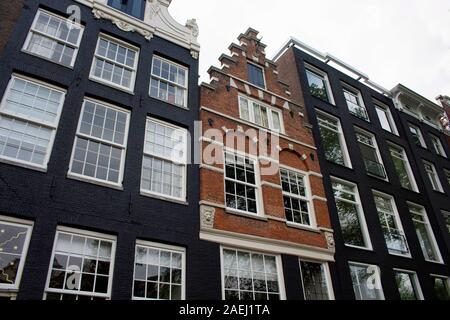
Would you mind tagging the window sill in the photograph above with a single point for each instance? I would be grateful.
(246, 215)
(111, 85)
(23, 165)
(303, 227)
(95, 182)
(408, 256)
(162, 198)
(170, 104)
(435, 262)
(48, 60)
(331, 104)
(358, 248)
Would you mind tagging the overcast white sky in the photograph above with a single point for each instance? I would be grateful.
(392, 41)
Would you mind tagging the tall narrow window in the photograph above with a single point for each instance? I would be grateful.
(315, 281)
(81, 266)
(333, 140)
(437, 146)
(251, 275)
(169, 82)
(366, 282)
(371, 155)
(355, 102)
(54, 38)
(159, 272)
(115, 63)
(135, 8)
(100, 144)
(402, 167)
(260, 114)
(240, 183)
(441, 288)
(165, 160)
(408, 285)
(386, 120)
(424, 233)
(296, 202)
(433, 177)
(447, 220)
(417, 136)
(29, 117)
(319, 85)
(391, 224)
(351, 215)
(256, 75)
(14, 239)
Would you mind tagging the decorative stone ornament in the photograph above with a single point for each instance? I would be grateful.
(207, 215)
(330, 240)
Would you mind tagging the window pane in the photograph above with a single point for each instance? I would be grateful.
(401, 166)
(331, 139)
(366, 282)
(317, 85)
(441, 288)
(406, 286)
(384, 120)
(255, 75)
(314, 281)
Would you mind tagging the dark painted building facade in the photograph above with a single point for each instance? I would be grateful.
(92, 203)
(391, 237)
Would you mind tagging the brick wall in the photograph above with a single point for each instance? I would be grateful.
(9, 13)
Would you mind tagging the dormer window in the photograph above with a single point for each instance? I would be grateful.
(256, 75)
(134, 8)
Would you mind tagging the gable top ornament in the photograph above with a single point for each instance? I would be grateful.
(157, 22)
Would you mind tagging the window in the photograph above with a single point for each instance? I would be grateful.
(115, 63)
(333, 140)
(417, 137)
(424, 233)
(240, 183)
(296, 201)
(441, 288)
(355, 103)
(100, 144)
(169, 82)
(402, 167)
(433, 176)
(408, 285)
(319, 85)
(29, 117)
(447, 176)
(54, 38)
(165, 159)
(447, 220)
(260, 114)
(366, 282)
(14, 239)
(135, 8)
(437, 145)
(370, 153)
(81, 266)
(251, 275)
(256, 75)
(315, 279)
(159, 272)
(386, 120)
(391, 224)
(351, 215)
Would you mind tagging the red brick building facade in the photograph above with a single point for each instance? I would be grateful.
(261, 185)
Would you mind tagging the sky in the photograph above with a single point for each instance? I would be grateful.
(392, 41)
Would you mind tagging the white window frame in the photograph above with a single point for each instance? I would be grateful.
(357, 93)
(377, 273)
(148, 193)
(416, 283)
(53, 127)
(340, 132)
(387, 111)
(11, 290)
(446, 215)
(161, 79)
(437, 145)
(397, 220)
(163, 247)
(251, 113)
(327, 274)
(263, 73)
(435, 174)
(82, 233)
(375, 146)
(430, 230)
(419, 134)
(257, 185)
(405, 158)
(279, 263)
(445, 278)
(124, 147)
(133, 69)
(32, 31)
(310, 68)
(307, 198)
(447, 176)
(361, 214)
